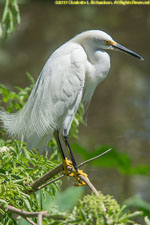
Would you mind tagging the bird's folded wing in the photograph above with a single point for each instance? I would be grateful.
(62, 84)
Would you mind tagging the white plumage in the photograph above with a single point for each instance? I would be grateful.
(69, 77)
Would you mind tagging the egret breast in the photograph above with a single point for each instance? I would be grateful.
(101, 66)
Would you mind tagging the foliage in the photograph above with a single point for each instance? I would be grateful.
(98, 210)
(101, 210)
(18, 166)
(14, 101)
(18, 169)
(10, 18)
(91, 209)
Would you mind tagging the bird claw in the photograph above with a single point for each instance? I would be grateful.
(74, 173)
(68, 163)
(79, 181)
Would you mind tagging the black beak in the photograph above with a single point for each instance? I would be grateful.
(120, 47)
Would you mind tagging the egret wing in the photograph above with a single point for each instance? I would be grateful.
(54, 99)
(62, 91)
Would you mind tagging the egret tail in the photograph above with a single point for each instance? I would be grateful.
(16, 126)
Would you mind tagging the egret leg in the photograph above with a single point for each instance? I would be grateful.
(66, 162)
(77, 172)
(70, 152)
(56, 134)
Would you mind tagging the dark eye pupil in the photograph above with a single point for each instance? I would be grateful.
(107, 42)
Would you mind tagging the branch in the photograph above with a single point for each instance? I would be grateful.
(46, 177)
(89, 184)
(23, 212)
(40, 219)
(96, 157)
(26, 214)
(28, 220)
(38, 184)
(51, 181)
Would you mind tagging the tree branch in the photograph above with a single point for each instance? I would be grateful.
(40, 219)
(46, 177)
(89, 184)
(23, 212)
(38, 184)
(26, 214)
(51, 181)
(28, 220)
(96, 157)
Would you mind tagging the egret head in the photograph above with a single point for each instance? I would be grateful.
(99, 40)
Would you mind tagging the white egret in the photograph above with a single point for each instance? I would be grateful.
(69, 77)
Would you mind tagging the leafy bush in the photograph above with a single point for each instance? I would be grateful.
(101, 210)
(18, 169)
(98, 210)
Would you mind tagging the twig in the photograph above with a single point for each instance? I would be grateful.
(96, 157)
(89, 184)
(23, 212)
(51, 181)
(26, 214)
(47, 176)
(40, 219)
(28, 220)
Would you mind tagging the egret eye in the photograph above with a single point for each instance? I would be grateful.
(108, 42)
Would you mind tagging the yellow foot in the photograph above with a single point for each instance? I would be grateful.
(74, 173)
(68, 163)
(79, 181)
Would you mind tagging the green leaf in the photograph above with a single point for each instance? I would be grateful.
(27, 153)
(10, 18)
(5, 11)
(31, 79)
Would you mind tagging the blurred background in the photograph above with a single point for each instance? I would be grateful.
(119, 115)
